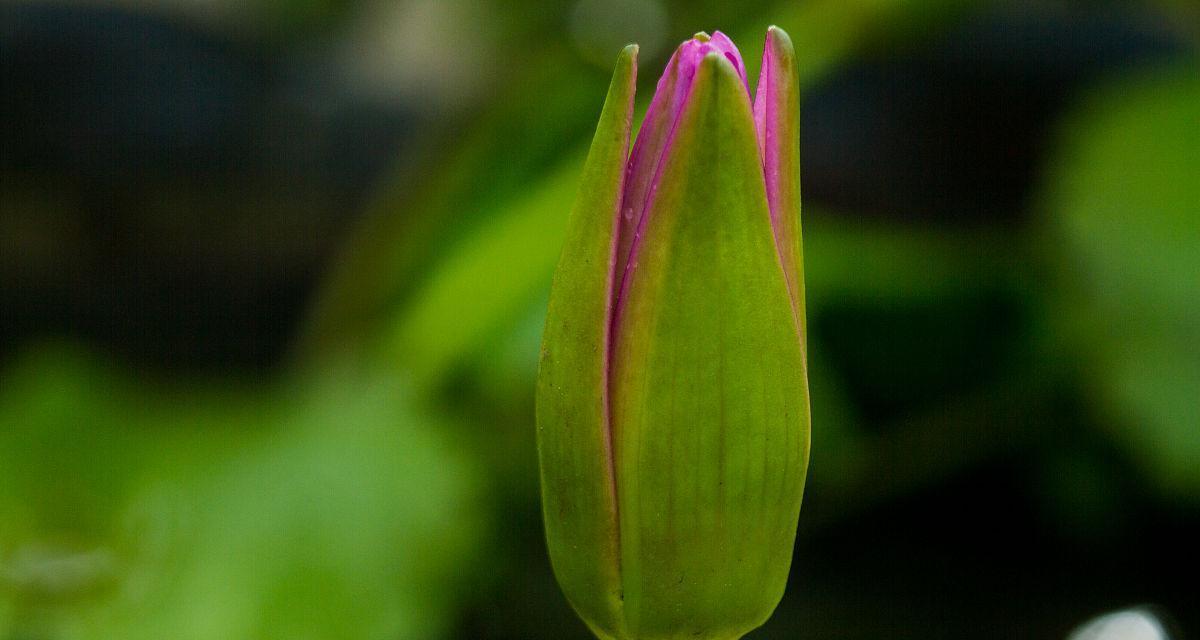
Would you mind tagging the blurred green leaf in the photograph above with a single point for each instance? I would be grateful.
(489, 277)
(884, 261)
(470, 173)
(1126, 204)
(315, 508)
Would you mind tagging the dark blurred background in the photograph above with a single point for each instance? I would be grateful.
(273, 273)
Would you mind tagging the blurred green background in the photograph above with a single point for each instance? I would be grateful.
(273, 274)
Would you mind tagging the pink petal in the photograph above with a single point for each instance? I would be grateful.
(653, 141)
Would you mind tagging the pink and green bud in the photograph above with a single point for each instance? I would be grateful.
(672, 400)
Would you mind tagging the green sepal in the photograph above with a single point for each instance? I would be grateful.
(574, 441)
(709, 394)
(777, 116)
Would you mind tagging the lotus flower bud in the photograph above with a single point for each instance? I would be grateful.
(672, 398)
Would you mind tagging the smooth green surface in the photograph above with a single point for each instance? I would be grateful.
(574, 446)
(709, 399)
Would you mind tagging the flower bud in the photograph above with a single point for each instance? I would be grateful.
(672, 399)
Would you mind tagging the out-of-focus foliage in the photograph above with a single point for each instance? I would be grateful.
(1004, 366)
(1127, 208)
(141, 510)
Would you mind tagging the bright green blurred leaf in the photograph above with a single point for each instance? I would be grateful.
(309, 509)
(1126, 203)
